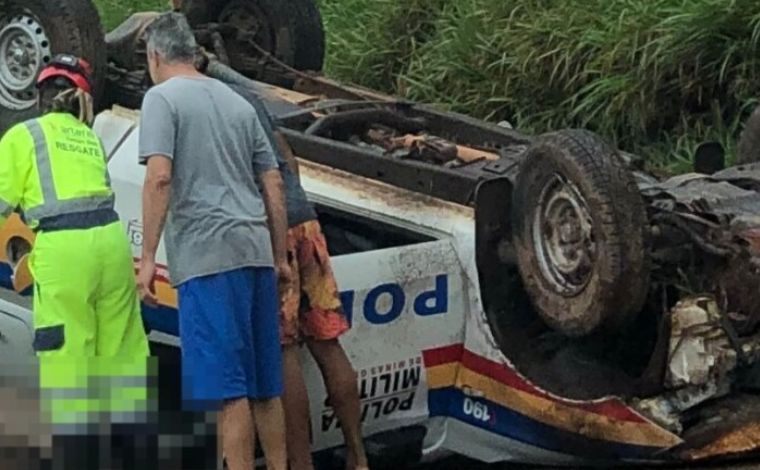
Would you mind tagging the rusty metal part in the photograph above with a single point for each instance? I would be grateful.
(354, 122)
(307, 112)
(698, 239)
(737, 441)
(445, 147)
(310, 83)
(725, 428)
(449, 185)
(227, 74)
(318, 85)
(429, 147)
(416, 146)
(314, 84)
(469, 131)
(469, 155)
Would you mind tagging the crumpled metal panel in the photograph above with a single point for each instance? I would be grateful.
(700, 349)
(731, 196)
(688, 191)
(667, 409)
(743, 440)
(700, 359)
(741, 175)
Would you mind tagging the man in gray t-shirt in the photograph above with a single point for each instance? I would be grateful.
(205, 152)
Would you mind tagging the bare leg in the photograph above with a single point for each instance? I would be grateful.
(270, 422)
(296, 403)
(340, 381)
(237, 434)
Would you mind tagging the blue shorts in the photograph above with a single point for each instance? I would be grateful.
(229, 330)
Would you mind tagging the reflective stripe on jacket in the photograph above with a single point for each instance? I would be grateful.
(53, 168)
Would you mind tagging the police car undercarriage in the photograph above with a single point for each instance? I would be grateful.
(546, 299)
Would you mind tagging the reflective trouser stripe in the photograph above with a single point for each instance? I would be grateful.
(98, 387)
(52, 205)
(82, 405)
(81, 390)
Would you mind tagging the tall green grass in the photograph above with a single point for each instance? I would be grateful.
(654, 76)
(113, 12)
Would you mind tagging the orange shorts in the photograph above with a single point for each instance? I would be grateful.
(311, 306)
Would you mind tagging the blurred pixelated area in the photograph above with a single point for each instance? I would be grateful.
(161, 436)
(167, 438)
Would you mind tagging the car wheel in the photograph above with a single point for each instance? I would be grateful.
(31, 33)
(748, 148)
(290, 30)
(579, 228)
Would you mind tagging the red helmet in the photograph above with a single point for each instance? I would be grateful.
(68, 66)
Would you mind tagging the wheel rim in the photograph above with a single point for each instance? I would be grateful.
(563, 237)
(251, 23)
(24, 48)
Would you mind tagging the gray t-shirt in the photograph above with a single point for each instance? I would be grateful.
(300, 210)
(217, 219)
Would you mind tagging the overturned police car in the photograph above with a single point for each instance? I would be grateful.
(537, 299)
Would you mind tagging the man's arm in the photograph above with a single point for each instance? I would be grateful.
(287, 153)
(270, 180)
(274, 201)
(155, 200)
(156, 194)
(157, 138)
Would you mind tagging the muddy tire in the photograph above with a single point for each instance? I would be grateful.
(748, 148)
(579, 229)
(34, 31)
(291, 30)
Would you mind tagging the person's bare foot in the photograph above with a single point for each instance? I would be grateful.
(352, 464)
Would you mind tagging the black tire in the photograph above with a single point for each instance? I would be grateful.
(748, 148)
(296, 32)
(611, 288)
(72, 26)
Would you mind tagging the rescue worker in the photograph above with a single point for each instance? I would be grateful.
(89, 336)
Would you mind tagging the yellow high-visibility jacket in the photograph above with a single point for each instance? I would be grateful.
(54, 170)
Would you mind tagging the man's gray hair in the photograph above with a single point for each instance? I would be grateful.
(172, 38)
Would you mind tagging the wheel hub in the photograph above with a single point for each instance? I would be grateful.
(563, 237)
(24, 49)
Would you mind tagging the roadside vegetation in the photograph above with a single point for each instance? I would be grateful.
(113, 12)
(655, 76)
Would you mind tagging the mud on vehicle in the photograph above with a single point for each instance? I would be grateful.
(595, 278)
